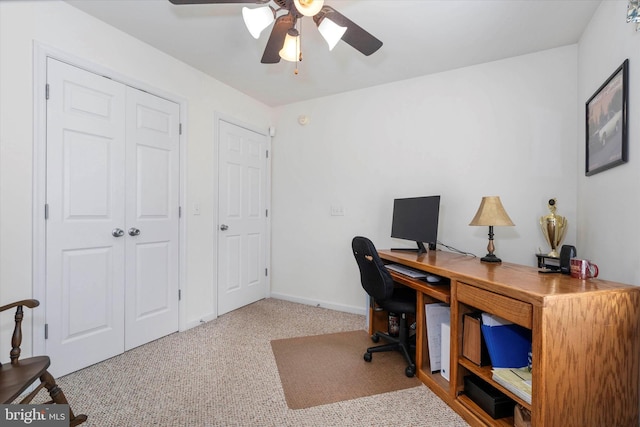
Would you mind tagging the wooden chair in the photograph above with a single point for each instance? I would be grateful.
(18, 376)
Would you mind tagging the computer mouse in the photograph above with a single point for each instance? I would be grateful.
(433, 279)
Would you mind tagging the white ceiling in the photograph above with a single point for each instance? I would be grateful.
(420, 37)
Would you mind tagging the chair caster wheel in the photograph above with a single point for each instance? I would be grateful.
(367, 357)
(410, 371)
(375, 338)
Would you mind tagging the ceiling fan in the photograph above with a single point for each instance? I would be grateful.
(284, 40)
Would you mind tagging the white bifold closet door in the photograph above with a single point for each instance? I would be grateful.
(113, 213)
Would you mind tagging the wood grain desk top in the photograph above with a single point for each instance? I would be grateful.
(518, 281)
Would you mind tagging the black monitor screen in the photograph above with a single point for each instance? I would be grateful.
(416, 219)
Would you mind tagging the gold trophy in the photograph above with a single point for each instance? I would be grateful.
(554, 227)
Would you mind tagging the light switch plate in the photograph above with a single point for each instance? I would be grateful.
(337, 210)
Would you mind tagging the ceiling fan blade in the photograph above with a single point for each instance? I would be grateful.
(355, 35)
(217, 1)
(271, 53)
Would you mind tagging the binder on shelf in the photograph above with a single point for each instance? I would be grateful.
(445, 350)
(436, 314)
(508, 344)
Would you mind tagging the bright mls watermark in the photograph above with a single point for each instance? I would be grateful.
(34, 415)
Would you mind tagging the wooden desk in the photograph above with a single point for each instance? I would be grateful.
(585, 338)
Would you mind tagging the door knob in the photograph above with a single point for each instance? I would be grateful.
(224, 227)
(134, 231)
(117, 232)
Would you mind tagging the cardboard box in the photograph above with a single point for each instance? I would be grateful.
(521, 417)
(473, 346)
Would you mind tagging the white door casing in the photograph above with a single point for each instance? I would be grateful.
(242, 216)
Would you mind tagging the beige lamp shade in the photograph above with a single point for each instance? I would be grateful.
(491, 212)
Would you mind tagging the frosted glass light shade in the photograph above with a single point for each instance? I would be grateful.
(308, 7)
(258, 19)
(331, 32)
(290, 49)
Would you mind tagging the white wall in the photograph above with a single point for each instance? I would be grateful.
(64, 28)
(512, 128)
(504, 128)
(608, 202)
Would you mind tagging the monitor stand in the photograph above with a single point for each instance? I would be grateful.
(420, 249)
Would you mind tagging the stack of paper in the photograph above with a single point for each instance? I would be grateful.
(516, 380)
(436, 314)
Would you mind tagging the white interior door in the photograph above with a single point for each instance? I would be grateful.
(242, 214)
(112, 231)
(152, 217)
(85, 198)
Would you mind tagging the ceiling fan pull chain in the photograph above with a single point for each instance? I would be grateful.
(298, 45)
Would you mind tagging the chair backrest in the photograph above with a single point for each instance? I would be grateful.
(374, 276)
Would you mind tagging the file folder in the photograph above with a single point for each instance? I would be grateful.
(508, 344)
(445, 350)
(436, 314)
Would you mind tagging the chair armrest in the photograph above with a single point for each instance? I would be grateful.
(16, 338)
(31, 303)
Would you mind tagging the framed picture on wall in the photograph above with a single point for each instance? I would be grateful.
(606, 123)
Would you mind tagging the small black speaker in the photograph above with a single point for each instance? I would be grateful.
(566, 253)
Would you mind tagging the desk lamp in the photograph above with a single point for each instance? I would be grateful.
(491, 212)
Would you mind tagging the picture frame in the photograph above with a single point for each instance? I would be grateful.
(606, 123)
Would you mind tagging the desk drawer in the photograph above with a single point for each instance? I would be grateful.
(518, 312)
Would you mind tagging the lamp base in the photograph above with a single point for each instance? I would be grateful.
(490, 258)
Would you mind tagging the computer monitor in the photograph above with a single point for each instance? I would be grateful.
(416, 219)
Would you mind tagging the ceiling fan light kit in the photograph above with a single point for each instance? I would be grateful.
(258, 19)
(308, 7)
(291, 48)
(332, 25)
(331, 32)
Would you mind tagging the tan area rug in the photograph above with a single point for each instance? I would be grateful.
(322, 369)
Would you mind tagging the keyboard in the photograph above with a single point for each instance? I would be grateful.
(407, 271)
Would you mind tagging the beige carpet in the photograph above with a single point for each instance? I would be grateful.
(223, 374)
(321, 369)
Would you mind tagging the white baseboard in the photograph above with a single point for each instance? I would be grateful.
(324, 304)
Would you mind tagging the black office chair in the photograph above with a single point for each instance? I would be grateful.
(378, 283)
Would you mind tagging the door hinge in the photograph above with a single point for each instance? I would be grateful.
(179, 294)
(46, 211)
(266, 212)
(46, 91)
(46, 331)
(180, 129)
(179, 211)
(267, 154)
(266, 271)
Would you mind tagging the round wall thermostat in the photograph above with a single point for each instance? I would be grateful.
(303, 120)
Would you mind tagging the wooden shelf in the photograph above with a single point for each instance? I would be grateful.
(484, 372)
(574, 324)
(479, 412)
